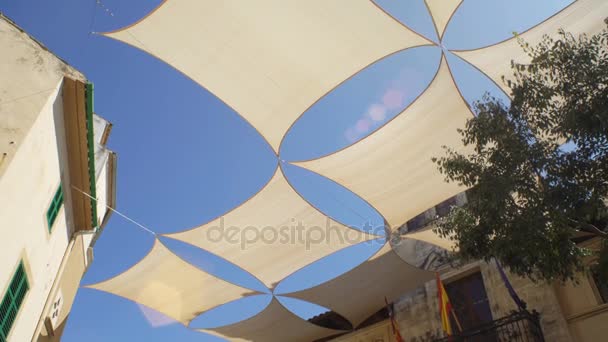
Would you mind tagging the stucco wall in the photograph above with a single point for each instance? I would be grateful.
(30, 74)
(27, 187)
(33, 163)
(65, 289)
(584, 310)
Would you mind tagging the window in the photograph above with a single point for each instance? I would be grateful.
(12, 300)
(470, 303)
(53, 211)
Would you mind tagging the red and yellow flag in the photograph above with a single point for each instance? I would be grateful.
(445, 307)
(391, 315)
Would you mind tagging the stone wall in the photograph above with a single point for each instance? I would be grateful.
(417, 312)
(539, 296)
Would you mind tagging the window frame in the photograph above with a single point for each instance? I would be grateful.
(12, 299)
(454, 280)
(54, 208)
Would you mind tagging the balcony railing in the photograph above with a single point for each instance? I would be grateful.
(519, 326)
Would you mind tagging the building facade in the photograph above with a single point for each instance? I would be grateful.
(567, 312)
(57, 179)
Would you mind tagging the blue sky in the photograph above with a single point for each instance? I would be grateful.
(185, 158)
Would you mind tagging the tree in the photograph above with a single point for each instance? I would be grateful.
(537, 172)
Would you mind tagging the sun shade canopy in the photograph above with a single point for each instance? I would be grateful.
(269, 60)
(392, 168)
(582, 16)
(441, 12)
(273, 234)
(274, 324)
(359, 293)
(164, 282)
(429, 236)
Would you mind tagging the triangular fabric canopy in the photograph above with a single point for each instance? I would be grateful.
(359, 293)
(427, 235)
(274, 324)
(426, 252)
(441, 12)
(166, 283)
(269, 60)
(582, 16)
(273, 234)
(392, 168)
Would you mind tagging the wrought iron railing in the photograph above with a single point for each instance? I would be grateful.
(519, 326)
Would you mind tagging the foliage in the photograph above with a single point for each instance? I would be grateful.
(537, 168)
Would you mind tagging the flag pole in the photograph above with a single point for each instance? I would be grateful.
(456, 320)
(396, 332)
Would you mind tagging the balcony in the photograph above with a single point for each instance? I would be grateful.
(518, 326)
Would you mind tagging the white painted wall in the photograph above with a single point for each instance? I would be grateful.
(101, 189)
(32, 150)
(26, 188)
(28, 76)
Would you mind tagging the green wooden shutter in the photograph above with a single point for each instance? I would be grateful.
(12, 300)
(53, 211)
(91, 152)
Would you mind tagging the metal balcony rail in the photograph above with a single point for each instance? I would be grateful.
(519, 326)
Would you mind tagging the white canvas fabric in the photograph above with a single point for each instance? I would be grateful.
(274, 324)
(392, 168)
(582, 16)
(441, 12)
(164, 282)
(273, 234)
(359, 293)
(269, 60)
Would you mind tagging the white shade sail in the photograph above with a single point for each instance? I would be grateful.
(274, 324)
(429, 236)
(359, 293)
(166, 283)
(441, 12)
(582, 16)
(392, 168)
(273, 234)
(269, 59)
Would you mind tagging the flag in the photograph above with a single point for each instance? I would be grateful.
(391, 316)
(445, 307)
(521, 305)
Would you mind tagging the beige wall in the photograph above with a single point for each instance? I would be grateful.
(64, 290)
(27, 187)
(33, 163)
(30, 74)
(583, 307)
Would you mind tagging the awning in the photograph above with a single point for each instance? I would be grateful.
(273, 234)
(392, 168)
(359, 293)
(164, 282)
(274, 324)
(269, 60)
